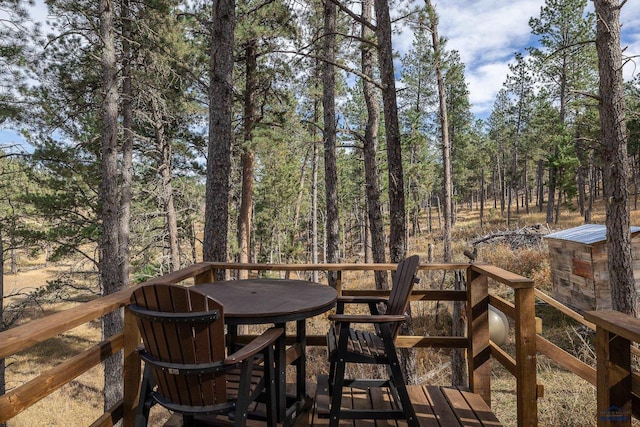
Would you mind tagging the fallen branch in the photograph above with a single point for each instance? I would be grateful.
(527, 236)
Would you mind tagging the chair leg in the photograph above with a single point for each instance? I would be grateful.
(145, 401)
(188, 420)
(332, 376)
(270, 387)
(397, 379)
(336, 391)
(242, 404)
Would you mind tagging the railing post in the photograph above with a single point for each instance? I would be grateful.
(615, 332)
(613, 353)
(206, 277)
(339, 282)
(131, 369)
(525, 328)
(479, 353)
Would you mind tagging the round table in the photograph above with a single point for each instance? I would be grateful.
(277, 301)
(254, 301)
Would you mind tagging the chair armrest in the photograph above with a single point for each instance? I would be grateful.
(361, 299)
(363, 318)
(371, 300)
(255, 346)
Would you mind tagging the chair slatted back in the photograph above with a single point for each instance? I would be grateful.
(403, 280)
(183, 342)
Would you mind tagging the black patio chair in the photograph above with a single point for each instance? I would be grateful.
(187, 369)
(349, 345)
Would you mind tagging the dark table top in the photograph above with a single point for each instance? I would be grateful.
(270, 300)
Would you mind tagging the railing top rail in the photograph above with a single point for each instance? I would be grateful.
(36, 331)
(331, 267)
(500, 275)
(564, 309)
(614, 321)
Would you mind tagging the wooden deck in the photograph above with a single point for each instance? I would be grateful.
(435, 407)
(477, 343)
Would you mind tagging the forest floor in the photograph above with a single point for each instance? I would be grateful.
(568, 400)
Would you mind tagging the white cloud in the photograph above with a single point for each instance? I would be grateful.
(484, 82)
(630, 19)
(487, 33)
(487, 30)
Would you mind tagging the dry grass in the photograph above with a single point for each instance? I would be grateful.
(79, 400)
(28, 280)
(79, 403)
(568, 401)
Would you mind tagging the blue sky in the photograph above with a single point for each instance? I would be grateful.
(486, 33)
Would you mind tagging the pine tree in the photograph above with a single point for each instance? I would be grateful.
(262, 29)
(397, 212)
(562, 61)
(220, 100)
(615, 160)
(418, 102)
(13, 34)
(519, 86)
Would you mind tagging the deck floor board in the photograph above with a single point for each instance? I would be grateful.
(435, 407)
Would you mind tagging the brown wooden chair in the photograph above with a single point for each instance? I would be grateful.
(349, 345)
(187, 369)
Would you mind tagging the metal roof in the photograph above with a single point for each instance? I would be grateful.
(587, 234)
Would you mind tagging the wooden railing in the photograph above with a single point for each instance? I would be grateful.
(618, 384)
(479, 348)
(557, 354)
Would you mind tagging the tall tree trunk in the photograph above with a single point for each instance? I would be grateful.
(540, 185)
(582, 189)
(558, 199)
(635, 181)
(397, 213)
(166, 177)
(314, 207)
(127, 147)
(301, 193)
(444, 134)
(527, 188)
(482, 199)
(398, 222)
(248, 156)
(593, 189)
(329, 137)
(193, 240)
(112, 323)
(430, 213)
(616, 162)
(514, 169)
(415, 217)
(220, 132)
(552, 193)
(13, 260)
(501, 167)
(372, 176)
(171, 217)
(513, 182)
(457, 356)
(314, 179)
(3, 362)
(581, 175)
